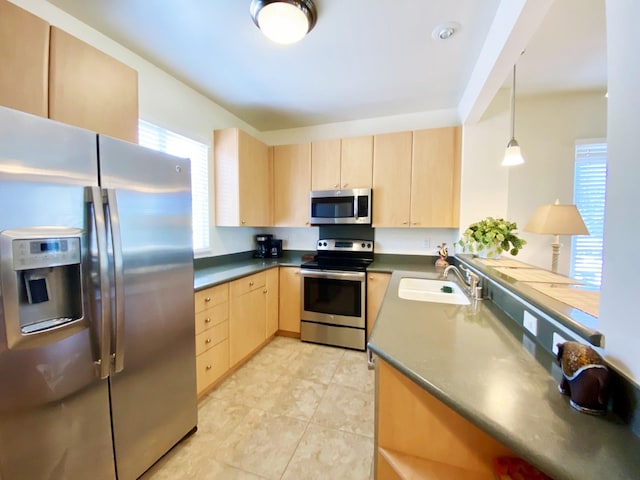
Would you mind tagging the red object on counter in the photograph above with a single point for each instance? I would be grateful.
(513, 468)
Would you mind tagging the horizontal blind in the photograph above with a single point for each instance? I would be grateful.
(164, 140)
(589, 195)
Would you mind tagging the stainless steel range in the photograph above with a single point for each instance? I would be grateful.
(334, 293)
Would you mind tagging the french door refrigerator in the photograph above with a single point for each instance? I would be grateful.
(97, 355)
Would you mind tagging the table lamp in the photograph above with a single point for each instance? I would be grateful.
(556, 220)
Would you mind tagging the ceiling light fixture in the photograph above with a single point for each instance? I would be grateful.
(445, 31)
(284, 21)
(513, 156)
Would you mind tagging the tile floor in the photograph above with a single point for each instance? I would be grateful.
(295, 411)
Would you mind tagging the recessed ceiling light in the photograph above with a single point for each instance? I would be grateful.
(445, 31)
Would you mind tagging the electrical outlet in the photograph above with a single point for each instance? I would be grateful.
(427, 243)
(530, 323)
(556, 340)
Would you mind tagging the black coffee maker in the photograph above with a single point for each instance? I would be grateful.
(263, 240)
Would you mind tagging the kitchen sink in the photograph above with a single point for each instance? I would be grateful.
(427, 290)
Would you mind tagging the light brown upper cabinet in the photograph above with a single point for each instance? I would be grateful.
(90, 89)
(24, 60)
(416, 179)
(292, 183)
(243, 180)
(435, 178)
(392, 179)
(342, 164)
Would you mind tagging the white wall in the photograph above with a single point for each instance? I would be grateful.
(547, 127)
(164, 101)
(619, 319)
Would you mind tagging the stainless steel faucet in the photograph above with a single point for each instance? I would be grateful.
(470, 281)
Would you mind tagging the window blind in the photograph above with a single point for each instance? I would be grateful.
(163, 140)
(589, 195)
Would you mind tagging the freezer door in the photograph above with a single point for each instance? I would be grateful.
(153, 384)
(54, 409)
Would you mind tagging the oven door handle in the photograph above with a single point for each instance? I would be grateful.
(332, 274)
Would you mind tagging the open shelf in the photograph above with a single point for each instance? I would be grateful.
(407, 467)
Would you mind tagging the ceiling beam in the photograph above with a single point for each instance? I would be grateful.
(513, 26)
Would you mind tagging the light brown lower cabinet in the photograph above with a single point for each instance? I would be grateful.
(377, 284)
(273, 291)
(212, 333)
(290, 297)
(418, 436)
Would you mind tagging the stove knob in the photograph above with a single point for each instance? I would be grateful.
(363, 245)
(368, 245)
(325, 244)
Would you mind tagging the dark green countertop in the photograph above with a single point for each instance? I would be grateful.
(241, 267)
(472, 358)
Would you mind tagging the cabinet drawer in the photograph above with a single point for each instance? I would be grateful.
(212, 364)
(211, 337)
(211, 316)
(211, 296)
(247, 284)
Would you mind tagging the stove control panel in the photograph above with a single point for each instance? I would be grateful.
(342, 245)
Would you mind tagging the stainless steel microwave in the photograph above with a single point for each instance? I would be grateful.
(331, 207)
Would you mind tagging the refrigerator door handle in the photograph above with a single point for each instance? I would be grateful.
(103, 362)
(114, 222)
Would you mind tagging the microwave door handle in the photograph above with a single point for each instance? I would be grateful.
(356, 213)
(103, 362)
(116, 242)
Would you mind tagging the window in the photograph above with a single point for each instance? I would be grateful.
(163, 140)
(590, 185)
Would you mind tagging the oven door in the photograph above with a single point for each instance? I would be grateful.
(333, 297)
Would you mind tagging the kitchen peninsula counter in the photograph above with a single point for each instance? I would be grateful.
(472, 359)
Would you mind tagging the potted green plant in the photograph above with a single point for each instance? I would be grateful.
(490, 237)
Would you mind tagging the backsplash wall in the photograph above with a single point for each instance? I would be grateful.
(407, 241)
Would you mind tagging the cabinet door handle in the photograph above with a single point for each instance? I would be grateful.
(335, 185)
(208, 340)
(251, 284)
(207, 320)
(242, 222)
(415, 223)
(207, 300)
(209, 367)
(264, 291)
(405, 222)
(345, 185)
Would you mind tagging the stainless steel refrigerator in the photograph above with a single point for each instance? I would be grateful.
(97, 355)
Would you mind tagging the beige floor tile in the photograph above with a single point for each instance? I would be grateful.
(293, 397)
(193, 459)
(274, 358)
(353, 372)
(317, 365)
(247, 386)
(346, 409)
(218, 417)
(325, 453)
(262, 444)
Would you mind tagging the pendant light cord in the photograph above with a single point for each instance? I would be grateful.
(513, 105)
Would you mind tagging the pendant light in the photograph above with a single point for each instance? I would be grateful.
(284, 21)
(513, 156)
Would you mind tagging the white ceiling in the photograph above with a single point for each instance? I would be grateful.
(363, 59)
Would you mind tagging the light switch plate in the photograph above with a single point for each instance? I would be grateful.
(530, 323)
(556, 340)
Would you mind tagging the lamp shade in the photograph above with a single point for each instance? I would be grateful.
(513, 155)
(556, 219)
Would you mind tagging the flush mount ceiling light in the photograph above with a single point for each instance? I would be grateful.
(284, 21)
(513, 156)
